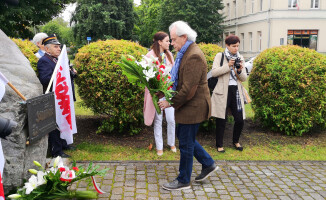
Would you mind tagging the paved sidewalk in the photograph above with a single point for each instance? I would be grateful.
(234, 180)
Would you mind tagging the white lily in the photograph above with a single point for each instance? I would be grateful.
(14, 196)
(149, 74)
(40, 178)
(31, 184)
(167, 70)
(56, 161)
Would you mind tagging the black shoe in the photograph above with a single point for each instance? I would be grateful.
(176, 185)
(205, 173)
(240, 148)
(70, 148)
(63, 155)
(221, 151)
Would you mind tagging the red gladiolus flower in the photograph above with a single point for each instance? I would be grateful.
(160, 71)
(169, 87)
(76, 169)
(162, 67)
(158, 77)
(157, 63)
(169, 77)
(129, 59)
(62, 169)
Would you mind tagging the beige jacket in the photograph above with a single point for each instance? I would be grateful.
(220, 92)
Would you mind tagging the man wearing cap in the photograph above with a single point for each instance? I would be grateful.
(45, 67)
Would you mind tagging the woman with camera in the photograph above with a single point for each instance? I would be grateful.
(227, 93)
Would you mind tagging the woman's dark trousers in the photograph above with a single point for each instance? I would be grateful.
(237, 115)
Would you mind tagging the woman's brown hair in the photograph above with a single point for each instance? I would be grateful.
(159, 36)
(232, 39)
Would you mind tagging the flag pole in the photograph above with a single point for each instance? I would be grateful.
(54, 73)
(15, 89)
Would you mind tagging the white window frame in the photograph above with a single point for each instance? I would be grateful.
(250, 41)
(228, 10)
(259, 41)
(313, 4)
(244, 7)
(293, 4)
(242, 42)
(252, 6)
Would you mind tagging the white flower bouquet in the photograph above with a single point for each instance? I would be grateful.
(151, 74)
(54, 183)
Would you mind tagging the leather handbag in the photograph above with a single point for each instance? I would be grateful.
(212, 81)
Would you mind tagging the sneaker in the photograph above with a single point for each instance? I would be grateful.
(205, 173)
(159, 152)
(176, 185)
(174, 149)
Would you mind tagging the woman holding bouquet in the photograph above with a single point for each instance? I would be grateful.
(160, 50)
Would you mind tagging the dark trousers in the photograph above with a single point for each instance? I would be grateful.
(56, 144)
(189, 147)
(237, 115)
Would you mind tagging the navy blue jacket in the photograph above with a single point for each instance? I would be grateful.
(45, 68)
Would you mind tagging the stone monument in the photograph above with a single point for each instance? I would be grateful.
(18, 155)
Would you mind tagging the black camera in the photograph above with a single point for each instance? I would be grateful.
(6, 126)
(237, 63)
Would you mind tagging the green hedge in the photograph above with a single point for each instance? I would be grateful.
(105, 90)
(287, 86)
(210, 51)
(28, 48)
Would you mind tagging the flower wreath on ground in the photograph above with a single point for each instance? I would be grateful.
(151, 74)
(54, 183)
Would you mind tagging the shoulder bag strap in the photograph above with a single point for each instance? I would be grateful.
(222, 60)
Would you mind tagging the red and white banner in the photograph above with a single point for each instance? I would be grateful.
(97, 188)
(64, 101)
(3, 82)
(2, 164)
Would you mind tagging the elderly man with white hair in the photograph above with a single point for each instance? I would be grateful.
(37, 40)
(192, 104)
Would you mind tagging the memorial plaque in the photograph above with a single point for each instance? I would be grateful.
(41, 116)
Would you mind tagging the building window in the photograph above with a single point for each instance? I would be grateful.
(292, 4)
(314, 3)
(244, 7)
(261, 5)
(228, 10)
(250, 41)
(303, 38)
(235, 9)
(242, 41)
(259, 40)
(252, 6)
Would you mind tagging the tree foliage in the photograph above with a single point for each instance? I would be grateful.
(18, 21)
(147, 23)
(103, 19)
(202, 15)
(59, 27)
